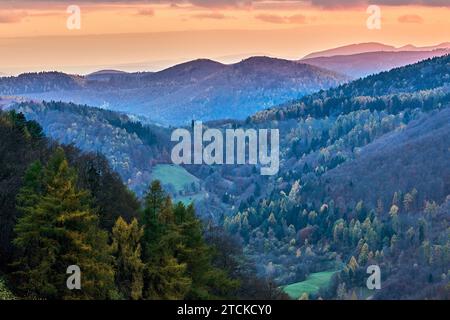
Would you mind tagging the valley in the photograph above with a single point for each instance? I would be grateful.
(363, 173)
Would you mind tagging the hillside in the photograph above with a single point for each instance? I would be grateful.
(363, 177)
(104, 75)
(373, 92)
(200, 89)
(396, 161)
(60, 206)
(131, 148)
(364, 167)
(29, 83)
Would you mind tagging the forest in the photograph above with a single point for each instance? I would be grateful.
(62, 207)
(364, 179)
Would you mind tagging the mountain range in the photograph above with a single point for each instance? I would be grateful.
(201, 89)
(364, 170)
(360, 65)
(372, 47)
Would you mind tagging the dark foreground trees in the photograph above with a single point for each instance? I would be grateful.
(59, 228)
(65, 209)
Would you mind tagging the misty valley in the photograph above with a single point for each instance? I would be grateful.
(263, 179)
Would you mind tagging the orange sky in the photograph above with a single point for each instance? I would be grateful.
(149, 36)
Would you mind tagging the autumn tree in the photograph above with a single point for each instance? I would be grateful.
(127, 251)
(58, 229)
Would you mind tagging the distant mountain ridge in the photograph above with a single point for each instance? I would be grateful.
(201, 89)
(372, 47)
(363, 64)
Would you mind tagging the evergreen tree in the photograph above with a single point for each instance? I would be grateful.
(127, 250)
(58, 229)
(154, 200)
(363, 255)
(164, 276)
(207, 281)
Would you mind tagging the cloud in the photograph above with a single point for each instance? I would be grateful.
(273, 18)
(212, 15)
(12, 16)
(410, 18)
(354, 3)
(297, 19)
(248, 3)
(221, 3)
(148, 12)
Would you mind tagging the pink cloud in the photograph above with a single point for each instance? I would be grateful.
(273, 18)
(212, 15)
(146, 12)
(410, 18)
(12, 16)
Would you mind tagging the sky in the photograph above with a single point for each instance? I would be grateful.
(154, 34)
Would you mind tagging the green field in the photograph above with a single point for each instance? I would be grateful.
(175, 175)
(187, 200)
(178, 177)
(311, 285)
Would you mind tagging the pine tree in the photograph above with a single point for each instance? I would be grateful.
(36, 240)
(363, 255)
(207, 281)
(129, 266)
(154, 201)
(353, 264)
(58, 229)
(178, 260)
(164, 276)
(166, 279)
(5, 293)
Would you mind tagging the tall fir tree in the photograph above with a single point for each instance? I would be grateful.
(208, 282)
(129, 266)
(58, 229)
(165, 277)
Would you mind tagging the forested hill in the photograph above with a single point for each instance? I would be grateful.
(201, 89)
(392, 90)
(40, 82)
(60, 207)
(414, 157)
(363, 180)
(132, 148)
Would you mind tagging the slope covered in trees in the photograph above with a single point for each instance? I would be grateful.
(131, 148)
(360, 181)
(200, 89)
(363, 180)
(424, 85)
(67, 208)
(414, 157)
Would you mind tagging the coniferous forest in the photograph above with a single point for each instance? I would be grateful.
(62, 207)
(363, 181)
